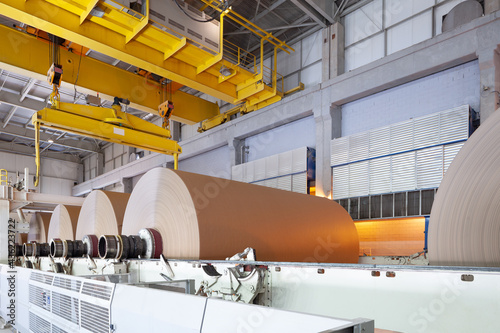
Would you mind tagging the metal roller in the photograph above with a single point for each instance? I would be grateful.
(92, 245)
(35, 249)
(110, 247)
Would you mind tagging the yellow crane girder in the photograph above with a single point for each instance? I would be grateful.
(25, 54)
(107, 124)
(134, 39)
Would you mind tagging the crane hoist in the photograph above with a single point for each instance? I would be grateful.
(107, 124)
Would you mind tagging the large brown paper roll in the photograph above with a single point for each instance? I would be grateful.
(63, 222)
(102, 214)
(201, 217)
(39, 227)
(464, 227)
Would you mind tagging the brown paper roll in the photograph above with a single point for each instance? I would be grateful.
(201, 217)
(39, 227)
(21, 238)
(102, 214)
(464, 227)
(63, 222)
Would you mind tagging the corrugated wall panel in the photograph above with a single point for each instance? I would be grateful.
(285, 163)
(249, 172)
(272, 166)
(359, 180)
(429, 167)
(285, 183)
(426, 131)
(237, 172)
(403, 172)
(402, 136)
(454, 124)
(340, 151)
(299, 183)
(299, 160)
(259, 169)
(359, 146)
(340, 182)
(380, 175)
(450, 151)
(380, 142)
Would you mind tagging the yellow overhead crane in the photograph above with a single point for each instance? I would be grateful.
(108, 124)
(228, 73)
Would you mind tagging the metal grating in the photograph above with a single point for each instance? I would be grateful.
(66, 307)
(56, 329)
(400, 204)
(38, 324)
(97, 290)
(68, 284)
(39, 297)
(95, 318)
(43, 278)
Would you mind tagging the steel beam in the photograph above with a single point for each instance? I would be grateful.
(95, 76)
(20, 149)
(9, 116)
(29, 134)
(323, 7)
(310, 11)
(55, 20)
(31, 82)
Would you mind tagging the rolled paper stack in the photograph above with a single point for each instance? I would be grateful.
(202, 217)
(63, 222)
(102, 214)
(39, 227)
(464, 226)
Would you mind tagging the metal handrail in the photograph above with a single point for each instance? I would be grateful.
(4, 177)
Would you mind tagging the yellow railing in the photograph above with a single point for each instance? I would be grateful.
(268, 79)
(239, 57)
(4, 177)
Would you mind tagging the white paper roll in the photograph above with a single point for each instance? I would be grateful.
(63, 222)
(201, 217)
(464, 227)
(102, 214)
(39, 227)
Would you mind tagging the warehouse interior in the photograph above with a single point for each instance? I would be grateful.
(249, 166)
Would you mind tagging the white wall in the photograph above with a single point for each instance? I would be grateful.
(434, 93)
(216, 162)
(303, 65)
(58, 177)
(297, 134)
(382, 27)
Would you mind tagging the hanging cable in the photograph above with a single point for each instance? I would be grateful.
(77, 74)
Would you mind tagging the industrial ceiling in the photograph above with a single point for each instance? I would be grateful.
(21, 95)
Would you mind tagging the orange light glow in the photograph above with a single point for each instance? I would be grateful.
(392, 237)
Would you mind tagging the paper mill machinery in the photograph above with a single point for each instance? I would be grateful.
(124, 282)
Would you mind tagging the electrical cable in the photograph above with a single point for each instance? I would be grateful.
(77, 74)
(193, 18)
